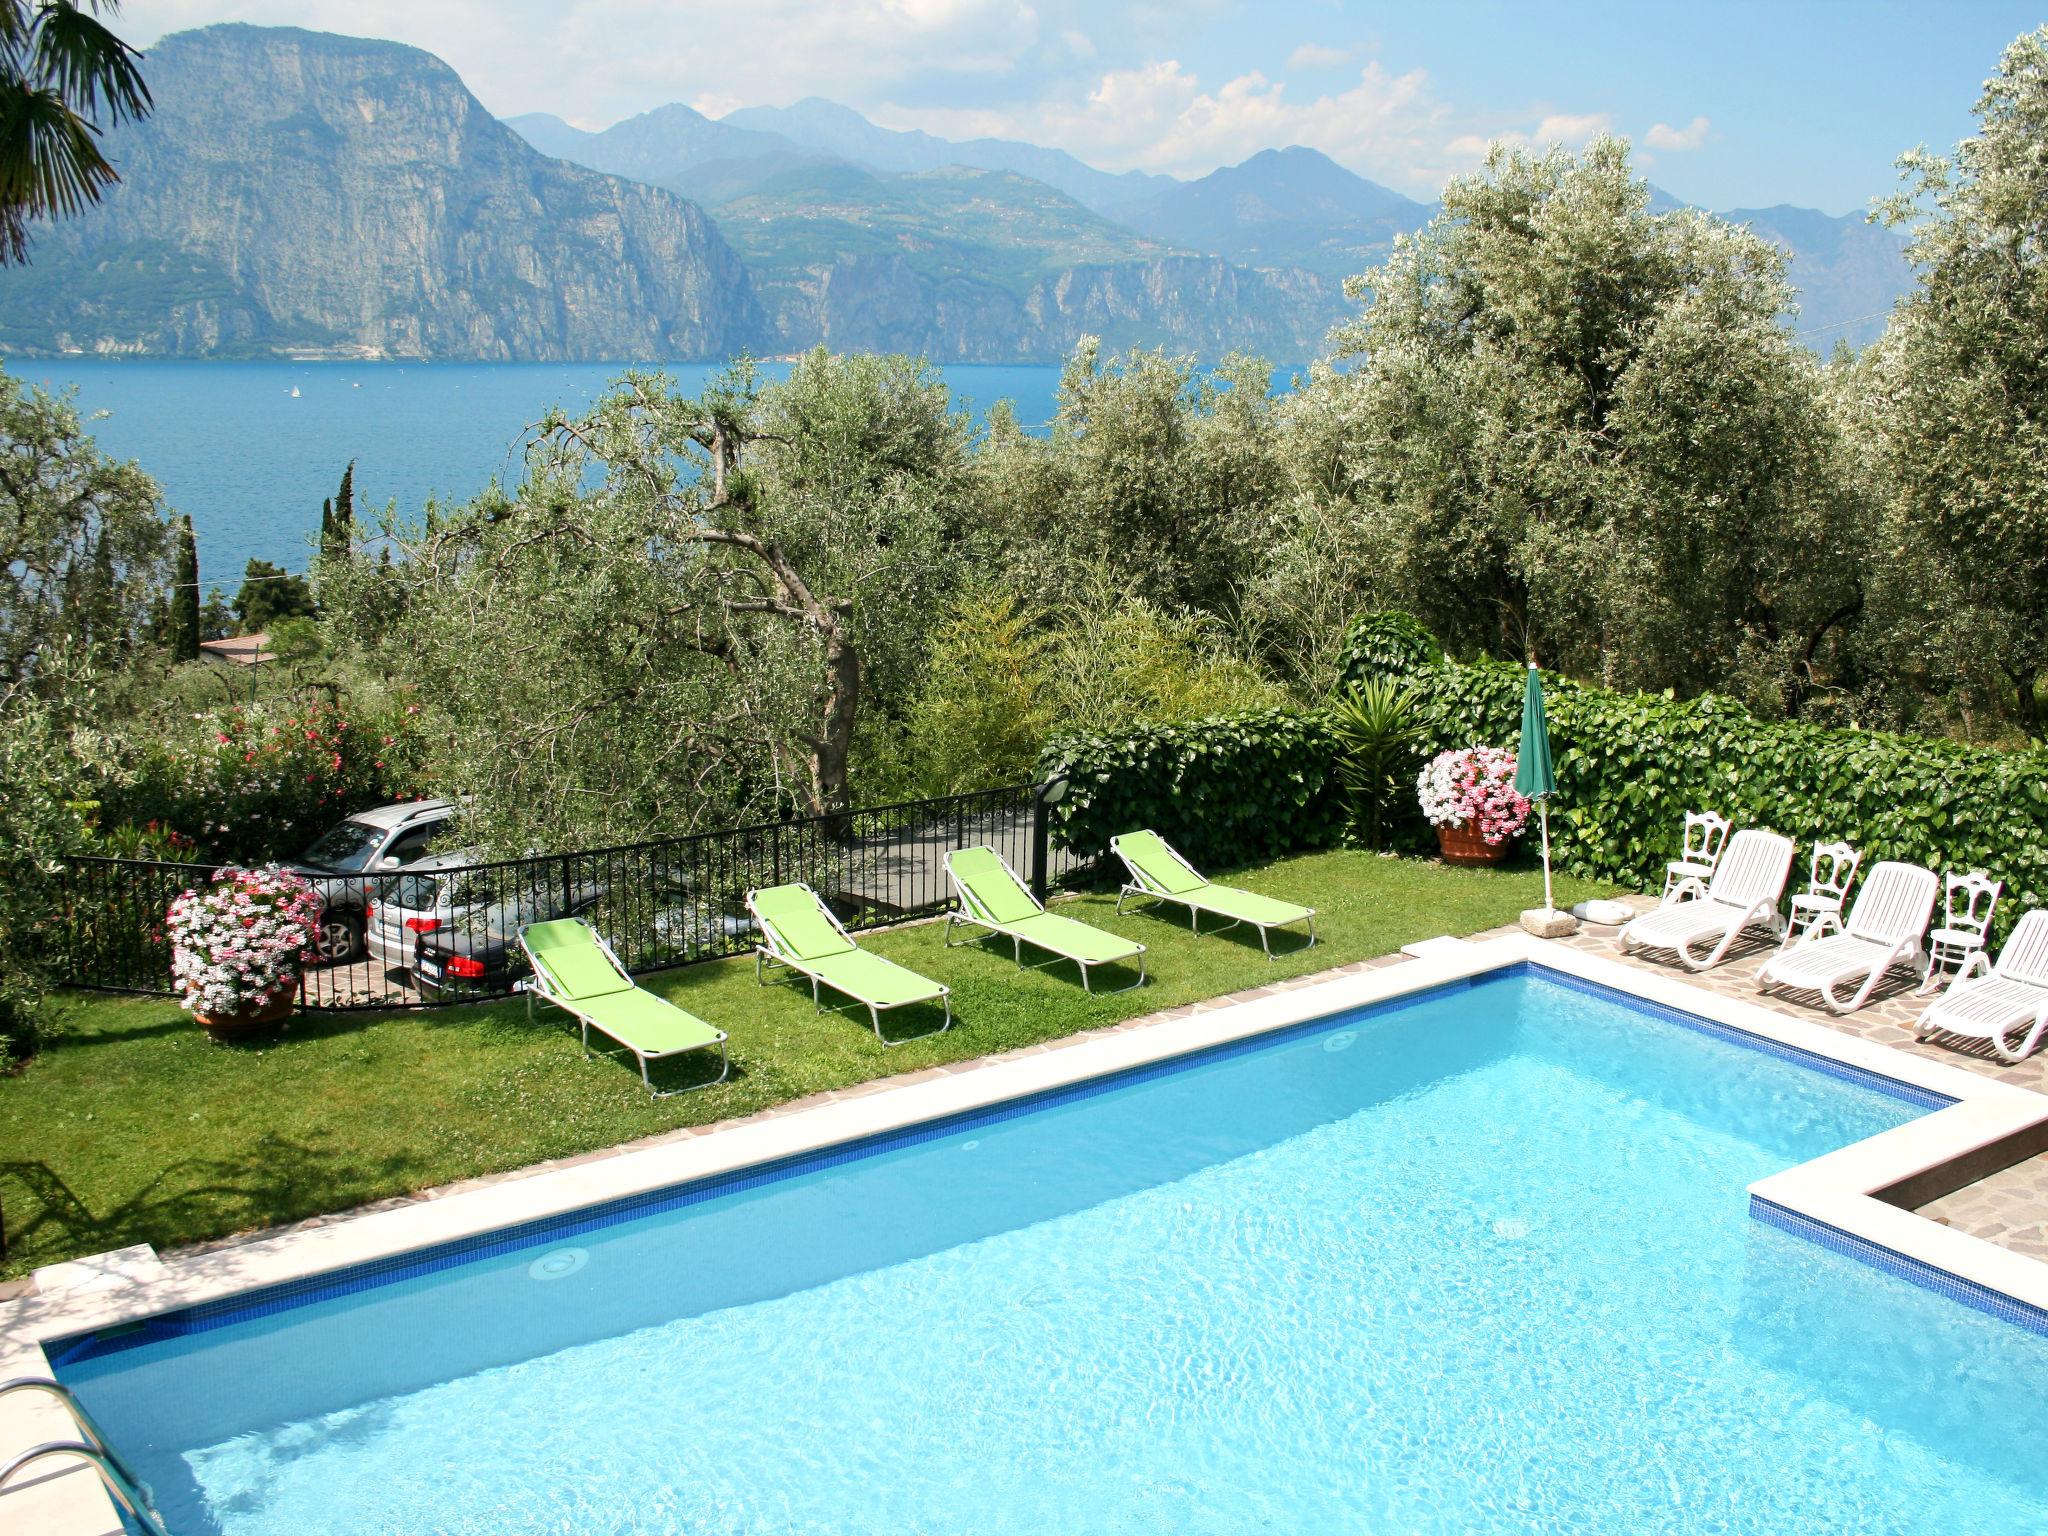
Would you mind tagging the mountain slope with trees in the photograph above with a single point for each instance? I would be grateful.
(1283, 207)
(297, 191)
(969, 265)
(1291, 212)
(842, 133)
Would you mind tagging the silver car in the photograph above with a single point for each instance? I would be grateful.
(349, 861)
(424, 899)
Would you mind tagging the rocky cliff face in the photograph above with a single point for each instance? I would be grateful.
(296, 191)
(1193, 303)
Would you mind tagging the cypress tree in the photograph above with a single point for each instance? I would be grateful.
(185, 597)
(337, 518)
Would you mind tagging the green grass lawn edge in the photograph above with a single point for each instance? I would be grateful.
(133, 1127)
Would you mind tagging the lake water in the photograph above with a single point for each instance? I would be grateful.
(250, 449)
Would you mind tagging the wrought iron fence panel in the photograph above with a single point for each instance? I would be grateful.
(434, 933)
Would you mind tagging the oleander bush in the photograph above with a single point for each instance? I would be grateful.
(261, 781)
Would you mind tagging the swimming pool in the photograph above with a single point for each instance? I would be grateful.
(1479, 1260)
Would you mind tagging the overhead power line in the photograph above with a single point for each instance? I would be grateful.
(1836, 325)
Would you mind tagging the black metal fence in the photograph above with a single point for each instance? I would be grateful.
(443, 931)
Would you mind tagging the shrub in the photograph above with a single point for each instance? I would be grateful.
(261, 781)
(1630, 765)
(1112, 661)
(981, 713)
(1380, 645)
(1230, 789)
(40, 825)
(1225, 790)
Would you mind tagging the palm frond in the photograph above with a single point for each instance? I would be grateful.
(86, 64)
(17, 27)
(50, 160)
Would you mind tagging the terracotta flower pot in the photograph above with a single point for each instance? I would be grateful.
(250, 1021)
(1464, 845)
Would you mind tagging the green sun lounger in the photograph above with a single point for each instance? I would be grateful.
(1160, 873)
(577, 972)
(992, 897)
(801, 934)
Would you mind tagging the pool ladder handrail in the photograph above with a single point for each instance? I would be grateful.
(129, 1491)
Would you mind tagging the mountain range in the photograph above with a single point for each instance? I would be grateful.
(299, 193)
(296, 192)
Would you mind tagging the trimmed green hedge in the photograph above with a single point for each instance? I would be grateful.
(1378, 643)
(1234, 789)
(1225, 791)
(1630, 765)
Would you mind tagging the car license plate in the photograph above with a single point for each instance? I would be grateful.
(427, 967)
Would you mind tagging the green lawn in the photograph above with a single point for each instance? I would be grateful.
(134, 1127)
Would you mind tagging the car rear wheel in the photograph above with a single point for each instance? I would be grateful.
(340, 941)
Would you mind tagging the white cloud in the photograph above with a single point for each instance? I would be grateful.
(715, 103)
(1030, 69)
(1691, 136)
(1572, 128)
(1159, 116)
(607, 59)
(1318, 56)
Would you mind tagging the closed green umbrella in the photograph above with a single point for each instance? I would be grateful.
(1534, 776)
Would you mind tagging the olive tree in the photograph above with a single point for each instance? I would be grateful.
(1154, 471)
(86, 551)
(1962, 388)
(1579, 429)
(670, 621)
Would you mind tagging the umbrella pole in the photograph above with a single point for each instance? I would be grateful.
(1543, 809)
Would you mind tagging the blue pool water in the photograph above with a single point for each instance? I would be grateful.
(1481, 1262)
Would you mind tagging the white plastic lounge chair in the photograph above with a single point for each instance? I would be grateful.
(1884, 930)
(1748, 880)
(1818, 908)
(1161, 873)
(1967, 904)
(992, 897)
(1706, 833)
(576, 971)
(2007, 998)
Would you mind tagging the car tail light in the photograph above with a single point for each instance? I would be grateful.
(423, 924)
(463, 965)
(369, 911)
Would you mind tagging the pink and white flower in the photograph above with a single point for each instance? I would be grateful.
(1475, 787)
(238, 944)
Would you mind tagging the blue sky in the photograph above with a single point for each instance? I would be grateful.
(1728, 105)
